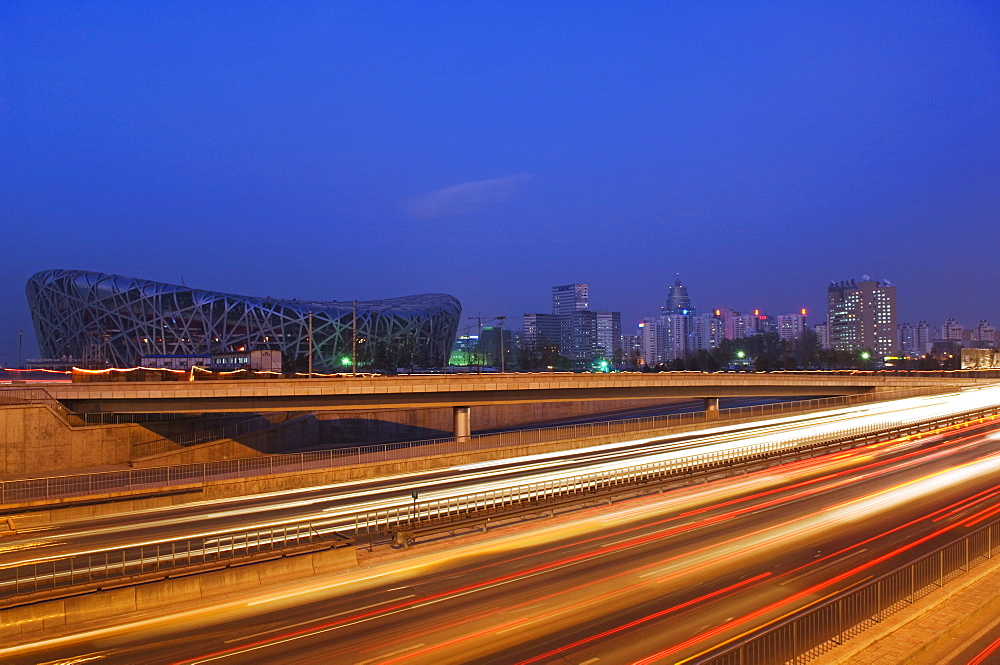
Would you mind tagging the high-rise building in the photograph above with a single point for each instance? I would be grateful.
(923, 335)
(496, 343)
(822, 331)
(632, 349)
(569, 298)
(728, 316)
(579, 337)
(792, 326)
(542, 331)
(952, 329)
(904, 338)
(710, 331)
(572, 330)
(609, 334)
(862, 315)
(984, 333)
(651, 341)
(744, 325)
(678, 301)
(678, 333)
(765, 322)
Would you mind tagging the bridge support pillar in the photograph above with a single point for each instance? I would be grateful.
(463, 422)
(711, 408)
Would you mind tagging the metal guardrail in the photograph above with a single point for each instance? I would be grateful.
(816, 631)
(18, 396)
(112, 418)
(56, 487)
(23, 396)
(414, 515)
(410, 516)
(115, 564)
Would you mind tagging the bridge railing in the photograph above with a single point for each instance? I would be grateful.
(412, 515)
(814, 632)
(409, 515)
(153, 557)
(128, 480)
(23, 396)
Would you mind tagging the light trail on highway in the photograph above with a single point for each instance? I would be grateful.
(345, 500)
(651, 579)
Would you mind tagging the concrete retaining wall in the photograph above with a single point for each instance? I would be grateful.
(19, 624)
(296, 433)
(36, 440)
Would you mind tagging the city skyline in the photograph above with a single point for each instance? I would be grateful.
(338, 152)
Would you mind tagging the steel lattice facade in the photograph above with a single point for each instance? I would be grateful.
(90, 315)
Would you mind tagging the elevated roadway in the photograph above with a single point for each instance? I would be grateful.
(462, 391)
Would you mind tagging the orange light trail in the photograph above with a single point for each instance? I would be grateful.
(651, 538)
(802, 594)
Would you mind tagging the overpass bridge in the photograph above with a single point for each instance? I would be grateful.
(462, 392)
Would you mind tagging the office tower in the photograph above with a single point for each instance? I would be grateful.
(495, 343)
(578, 341)
(862, 316)
(678, 301)
(542, 331)
(572, 330)
(609, 335)
(570, 298)
(905, 341)
(792, 326)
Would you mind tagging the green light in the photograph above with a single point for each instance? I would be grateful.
(741, 354)
(865, 355)
(346, 360)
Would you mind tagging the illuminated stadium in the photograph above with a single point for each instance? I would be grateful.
(90, 315)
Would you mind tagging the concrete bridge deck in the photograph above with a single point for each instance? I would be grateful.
(427, 391)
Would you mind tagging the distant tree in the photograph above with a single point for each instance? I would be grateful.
(929, 364)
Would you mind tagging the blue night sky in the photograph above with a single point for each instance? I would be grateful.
(324, 150)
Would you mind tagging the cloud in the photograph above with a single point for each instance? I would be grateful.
(465, 198)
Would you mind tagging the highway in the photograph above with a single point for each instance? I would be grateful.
(650, 580)
(337, 504)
